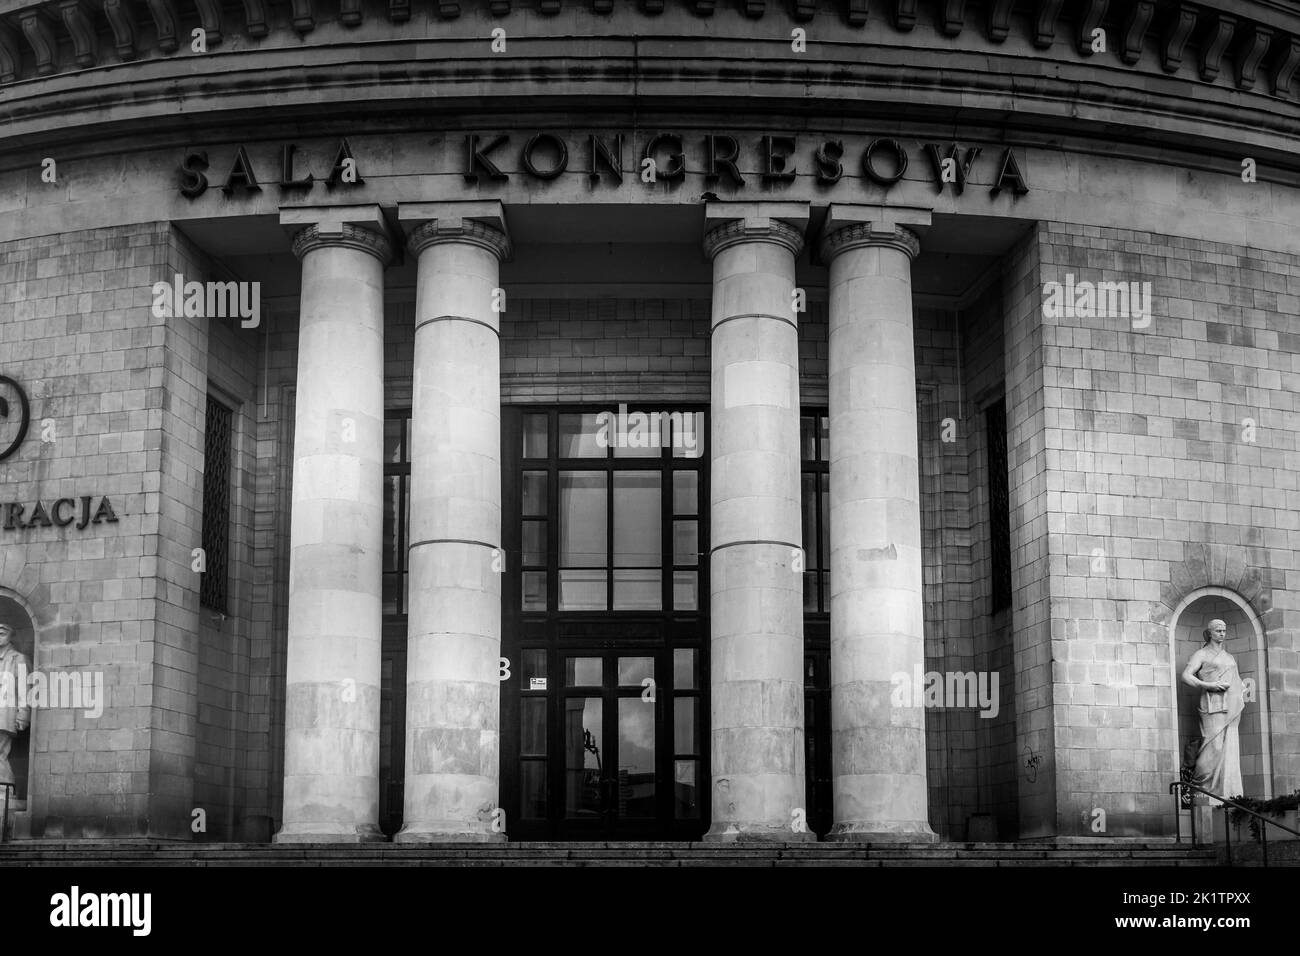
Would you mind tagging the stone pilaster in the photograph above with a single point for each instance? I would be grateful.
(756, 594)
(331, 775)
(877, 620)
(454, 637)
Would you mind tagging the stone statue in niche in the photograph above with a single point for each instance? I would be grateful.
(15, 715)
(1215, 761)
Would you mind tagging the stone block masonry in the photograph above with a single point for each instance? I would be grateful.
(123, 391)
(1166, 462)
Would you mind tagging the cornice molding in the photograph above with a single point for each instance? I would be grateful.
(1047, 25)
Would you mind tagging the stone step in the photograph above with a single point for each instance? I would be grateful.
(113, 853)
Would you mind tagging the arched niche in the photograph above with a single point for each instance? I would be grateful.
(1245, 641)
(15, 614)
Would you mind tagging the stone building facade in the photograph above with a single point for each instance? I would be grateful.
(975, 331)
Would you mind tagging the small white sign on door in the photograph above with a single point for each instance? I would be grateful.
(537, 683)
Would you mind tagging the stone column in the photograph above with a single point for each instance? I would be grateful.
(331, 736)
(756, 593)
(453, 687)
(878, 749)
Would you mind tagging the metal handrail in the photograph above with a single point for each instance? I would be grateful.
(1227, 828)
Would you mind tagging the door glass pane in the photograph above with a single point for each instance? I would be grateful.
(393, 440)
(810, 600)
(633, 670)
(583, 757)
(639, 590)
(582, 672)
(686, 542)
(639, 434)
(824, 427)
(686, 675)
(824, 532)
(808, 498)
(584, 540)
(392, 491)
(533, 786)
(534, 543)
(535, 493)
(650, 451)
(532, 726)
(686, 712)
(636, 758)
(534, 596)
(686, 492)
(688, 440)
(686, 590)
(637, 541)
(535, 436)
(686, 795)
(583, 591)
(578, 436)
(391, 597)
(807, 442)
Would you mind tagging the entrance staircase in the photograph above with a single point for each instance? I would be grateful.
(1064, 853)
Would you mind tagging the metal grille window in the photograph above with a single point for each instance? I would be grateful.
(995, 427)
(814, 442)
(217, 439)
(397, 511)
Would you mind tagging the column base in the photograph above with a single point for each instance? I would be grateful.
(324, 833)
(882, 832)
(755, 833)
(447, 833)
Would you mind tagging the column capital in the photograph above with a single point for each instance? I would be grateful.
(354, 227)
(342, 234)
(729, 223)
(855, 226)
(862, 234)
(478, 223)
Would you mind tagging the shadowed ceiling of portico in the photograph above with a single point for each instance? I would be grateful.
(603, 250)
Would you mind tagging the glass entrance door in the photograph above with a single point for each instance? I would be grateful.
(604, 626)
(608, 731)
(612, 747)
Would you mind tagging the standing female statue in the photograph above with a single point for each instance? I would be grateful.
(1213, 671)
